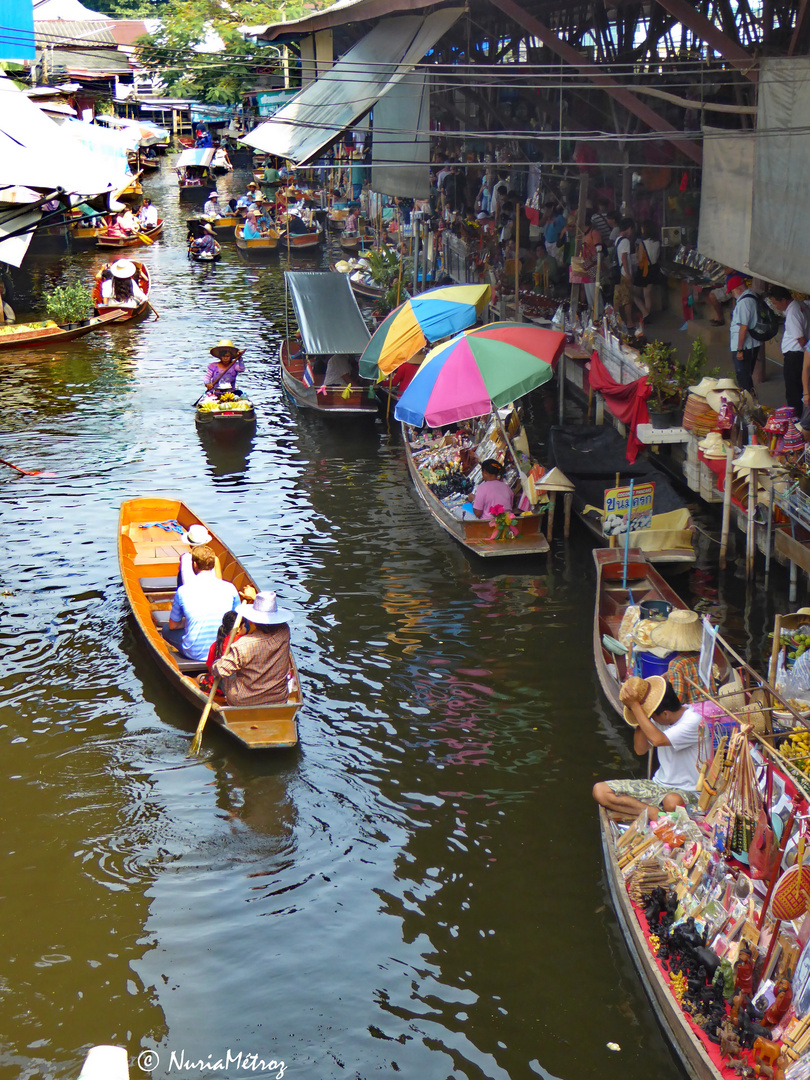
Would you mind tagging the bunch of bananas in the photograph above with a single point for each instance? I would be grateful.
(798, 746)
(227, 397)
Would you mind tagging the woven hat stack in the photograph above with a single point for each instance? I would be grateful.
(713, 446)
(698, 416)
(703, 387)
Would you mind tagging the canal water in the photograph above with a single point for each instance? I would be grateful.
(418, 890)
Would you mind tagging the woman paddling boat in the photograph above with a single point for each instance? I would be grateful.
(122, 286)
(222, 402)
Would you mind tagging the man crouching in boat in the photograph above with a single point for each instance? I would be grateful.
(652, 707)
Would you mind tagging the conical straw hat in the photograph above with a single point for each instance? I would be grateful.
(554, 480)
(682, 632)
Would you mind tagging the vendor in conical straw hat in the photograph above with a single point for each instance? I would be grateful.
(221, 374)
(652, 708)
(682, 634)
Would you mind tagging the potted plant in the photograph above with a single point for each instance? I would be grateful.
(690, 373)
(662, 379)
(69, 305)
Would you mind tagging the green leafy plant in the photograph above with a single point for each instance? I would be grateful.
(662, 378)
(690, 373)
(383, 265)
(69, 303)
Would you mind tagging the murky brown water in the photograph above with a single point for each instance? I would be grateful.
(418, 890)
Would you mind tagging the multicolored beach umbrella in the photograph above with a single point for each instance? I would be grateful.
(421, 320)
(477, 370)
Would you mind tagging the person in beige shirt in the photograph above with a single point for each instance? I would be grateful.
(254, 668)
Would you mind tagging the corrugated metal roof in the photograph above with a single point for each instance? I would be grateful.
(339, 14)
(59, 32)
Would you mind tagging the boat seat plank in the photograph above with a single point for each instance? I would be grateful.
(158, 584)
(189, 667)
(160, 618)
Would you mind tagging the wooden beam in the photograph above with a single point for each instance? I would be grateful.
(633, 104)
(707, 31)
(800, 29)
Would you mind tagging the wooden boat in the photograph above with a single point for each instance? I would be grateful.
(361, 288)
(224, 418)
(308, 241)
(82, 235)
(194, 177)
(24, 335)
(644, 584)
(135, 240)
(358, 242)
(205, 256)
(128, 314)
(262, 247)
(591, 457)
(337, 219)
(225, 224)
(476, 535)
(330, 403)
(149, 559)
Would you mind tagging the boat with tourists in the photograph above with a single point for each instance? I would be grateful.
(142, 238)
(152, 536)
(594, 458)
(194, 177)
(129, 295)
(320, 371)
(260, 247)
(225, 225)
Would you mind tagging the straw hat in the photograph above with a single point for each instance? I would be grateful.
(209, 228)
(212, 195)
(225, 345)
(713, 446)
(726, 388)
(682, 632)
(197, 534)
(264, 610)
(754, 457)
(123, 268)
(703, 387)
(649, 692)
(554, 480)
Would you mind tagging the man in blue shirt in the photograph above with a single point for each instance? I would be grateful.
(744, 348)
(555, 226)
(198, 607)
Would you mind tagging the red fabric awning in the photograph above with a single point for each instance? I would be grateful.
(626, 401)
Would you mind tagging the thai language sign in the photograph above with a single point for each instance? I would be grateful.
(617, 509)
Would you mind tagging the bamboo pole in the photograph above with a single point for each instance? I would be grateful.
(552, 505)
(568, 502)
(517, 263)
(750, 534)
(726, 506)
(777, 645)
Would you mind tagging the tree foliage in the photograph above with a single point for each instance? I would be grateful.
(188, 25)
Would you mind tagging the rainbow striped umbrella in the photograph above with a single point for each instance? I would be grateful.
(422, 319)
(477, 370)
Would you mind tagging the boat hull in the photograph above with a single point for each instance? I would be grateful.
(196, 193)
(476, 535)
(152, 552)
(331, 404)
(226, 421)
(136, 240)
(55, 336)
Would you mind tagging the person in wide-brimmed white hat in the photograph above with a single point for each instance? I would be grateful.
(126, 291)
(255, 668)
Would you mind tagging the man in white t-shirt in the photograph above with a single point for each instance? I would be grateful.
(652, 707)
(794, 340)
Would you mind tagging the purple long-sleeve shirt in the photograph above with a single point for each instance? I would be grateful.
(228, 379)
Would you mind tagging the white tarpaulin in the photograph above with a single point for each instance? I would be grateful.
(400, 152)
(780, 222)
(725, 196)
(36, 152)
(317, 115)
(12, 251)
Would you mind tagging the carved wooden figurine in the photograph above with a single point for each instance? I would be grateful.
(765, 1054)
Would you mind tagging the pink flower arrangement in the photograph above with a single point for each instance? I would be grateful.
(502, 519)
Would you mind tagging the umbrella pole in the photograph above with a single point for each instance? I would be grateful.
(524, 480)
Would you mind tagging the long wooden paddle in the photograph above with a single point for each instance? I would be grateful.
(151, 307)
(196, 742)
(216, 380)
(26, 472)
